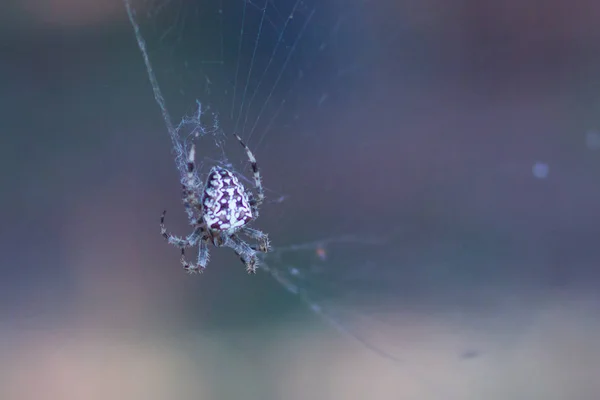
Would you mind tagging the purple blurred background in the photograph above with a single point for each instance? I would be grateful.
(471, 128)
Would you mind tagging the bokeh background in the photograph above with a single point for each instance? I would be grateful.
(471, 130)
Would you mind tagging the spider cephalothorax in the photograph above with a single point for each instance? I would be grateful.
(218, 211)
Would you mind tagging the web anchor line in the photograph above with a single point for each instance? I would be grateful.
(180, 151)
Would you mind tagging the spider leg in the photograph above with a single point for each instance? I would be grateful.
(253, 205)
(203, 256)
(177, 241)
(264, 245)
(255, 171)
(244, 252)
(191, 187)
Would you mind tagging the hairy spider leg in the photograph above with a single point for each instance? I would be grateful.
(191, 188)
(255, 171)
(244, 252)
(203, 256)
(264, 245)
(177, 241)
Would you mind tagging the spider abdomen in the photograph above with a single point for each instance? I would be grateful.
(225, 202)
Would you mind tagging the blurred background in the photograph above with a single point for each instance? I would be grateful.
(467, 134)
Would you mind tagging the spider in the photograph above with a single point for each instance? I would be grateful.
(218, 211)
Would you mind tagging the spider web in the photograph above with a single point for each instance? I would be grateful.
(258, 69)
